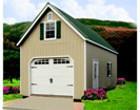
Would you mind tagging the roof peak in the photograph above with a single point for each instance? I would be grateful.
(48, 3)
(85, 32)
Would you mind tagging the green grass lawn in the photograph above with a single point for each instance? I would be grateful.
(121, 98)
(8, 97)
(15, 83)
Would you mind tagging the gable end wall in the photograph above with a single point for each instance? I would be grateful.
(69, 44)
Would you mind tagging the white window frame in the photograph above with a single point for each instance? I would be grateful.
(50, 21)
(110, 63)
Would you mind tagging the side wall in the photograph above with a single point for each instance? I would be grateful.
(69, 44)
(103, 56)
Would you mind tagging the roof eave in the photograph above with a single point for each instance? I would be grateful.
(101, 46)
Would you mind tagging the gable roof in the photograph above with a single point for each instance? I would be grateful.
(82, 30)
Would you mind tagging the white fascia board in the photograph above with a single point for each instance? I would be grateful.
(95, 43)
(49, 6)
(32, 25)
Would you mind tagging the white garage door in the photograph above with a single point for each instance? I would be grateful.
(52, 76)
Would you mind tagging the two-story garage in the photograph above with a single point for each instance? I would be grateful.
(63, 57)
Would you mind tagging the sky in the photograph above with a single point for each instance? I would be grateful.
(26, 10)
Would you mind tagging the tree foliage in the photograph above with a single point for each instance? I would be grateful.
(12, 33)
(108, 23)
(11, 64)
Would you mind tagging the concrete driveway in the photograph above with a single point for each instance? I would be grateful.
(43, 103)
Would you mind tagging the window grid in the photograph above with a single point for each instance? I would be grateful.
(45, 61)
(41, 61)
(61, 61)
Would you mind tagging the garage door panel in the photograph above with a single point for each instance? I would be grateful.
(62, 81)
(55, 81)
(48, 91)
(60, 91)
(36, 90)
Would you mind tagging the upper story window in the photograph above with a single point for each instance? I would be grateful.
(50, 30)
(49, 16)
(109, 69)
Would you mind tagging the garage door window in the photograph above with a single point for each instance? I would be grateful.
(41, 61)
(61, 61)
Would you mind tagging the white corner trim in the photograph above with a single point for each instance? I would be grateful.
(95, 43)
(20, 73)
(40, 14)
(85, 66)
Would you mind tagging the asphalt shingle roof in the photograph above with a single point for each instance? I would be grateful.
(84, 30)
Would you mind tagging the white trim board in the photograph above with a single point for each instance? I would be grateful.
(85, 66)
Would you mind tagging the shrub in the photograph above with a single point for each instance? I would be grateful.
(10, 90)
(92, 94)
(121, 80)
(6, 90)
(15, 90)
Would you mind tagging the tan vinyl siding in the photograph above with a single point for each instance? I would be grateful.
(69, 44)
(103, 56)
